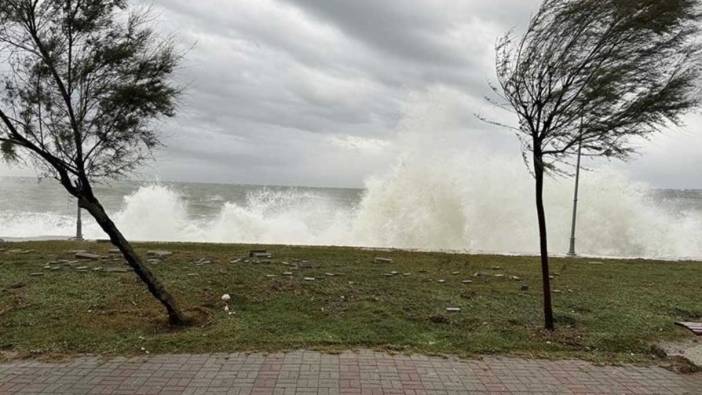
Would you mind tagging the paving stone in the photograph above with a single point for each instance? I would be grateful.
(360, 372)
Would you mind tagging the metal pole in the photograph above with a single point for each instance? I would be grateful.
(79, 224)
(571, 252)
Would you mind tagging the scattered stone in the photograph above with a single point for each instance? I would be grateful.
(235, 260)
(688, 350)
(192, 274)
(285, 263)
(394, 272)
(382, 260)
(456, 273)
(694, 327)
(551, 277)
(287, 274)
(329, 274)
(524, 287)
(309, 279)
(159, 253)
(499, 275)
(260, 254)
(467, 281)
(270, 275)
(557, 291)
(114, 251)
(442, 281)
(453, 309)
(407, 274)
(55, 268)
(38, 274)
(87, 255)
(203, 261)
(515, 278)
(97, 269)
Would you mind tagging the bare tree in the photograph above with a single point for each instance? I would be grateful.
(83, 83)
(625, 68)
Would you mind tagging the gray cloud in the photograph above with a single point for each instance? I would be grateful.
(319, 92)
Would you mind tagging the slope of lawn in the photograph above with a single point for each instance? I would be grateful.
(607, 310)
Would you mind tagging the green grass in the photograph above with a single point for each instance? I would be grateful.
(609, 312)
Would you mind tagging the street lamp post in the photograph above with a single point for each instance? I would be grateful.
(79, 221)
(79, 224)
(571, 251)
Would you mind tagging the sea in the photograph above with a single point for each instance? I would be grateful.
(404, 209)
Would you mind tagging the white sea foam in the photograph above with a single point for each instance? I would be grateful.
(442, 194)
(486, 207)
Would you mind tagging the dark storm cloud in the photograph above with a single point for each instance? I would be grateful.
(320, 91)
(414, 31)
(331, 68)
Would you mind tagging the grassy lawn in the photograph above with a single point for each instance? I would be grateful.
(607, 310)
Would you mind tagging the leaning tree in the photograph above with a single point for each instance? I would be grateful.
(596, 73)
(83, 83)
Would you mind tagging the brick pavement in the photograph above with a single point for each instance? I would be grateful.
(307, 372)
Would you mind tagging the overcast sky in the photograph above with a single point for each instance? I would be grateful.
(321, 92)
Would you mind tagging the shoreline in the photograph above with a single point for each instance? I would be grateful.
(366, 248)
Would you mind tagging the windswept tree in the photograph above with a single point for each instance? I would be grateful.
(83, 82)
(622, 69)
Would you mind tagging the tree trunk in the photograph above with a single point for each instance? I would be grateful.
(175, 316)
(543, 239)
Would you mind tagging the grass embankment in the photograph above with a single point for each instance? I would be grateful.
(607, 310)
